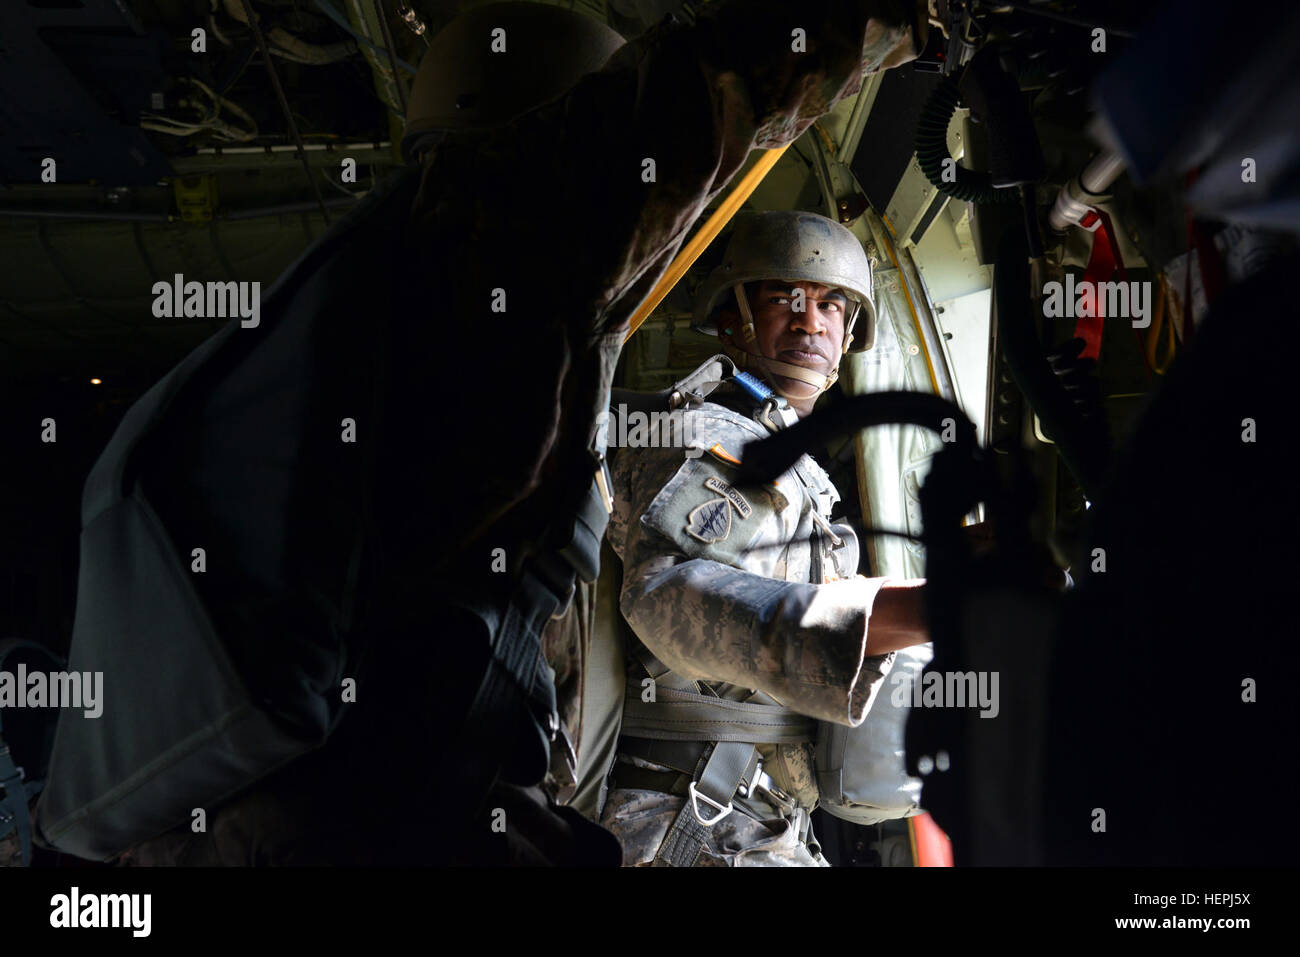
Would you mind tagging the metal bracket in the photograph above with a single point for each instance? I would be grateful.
(774, 414)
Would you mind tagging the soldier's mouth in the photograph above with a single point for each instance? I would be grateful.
(803, 357)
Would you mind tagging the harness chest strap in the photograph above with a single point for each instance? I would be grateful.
(677, 715)
(679, 712)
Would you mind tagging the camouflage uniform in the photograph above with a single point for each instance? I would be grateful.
(740, 590)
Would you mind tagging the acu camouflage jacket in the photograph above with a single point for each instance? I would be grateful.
(738, 587)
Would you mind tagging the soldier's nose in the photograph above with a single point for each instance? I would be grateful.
(809, 321)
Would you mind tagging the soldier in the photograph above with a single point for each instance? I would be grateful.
(749, 617)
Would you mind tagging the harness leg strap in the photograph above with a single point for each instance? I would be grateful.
(708, 802)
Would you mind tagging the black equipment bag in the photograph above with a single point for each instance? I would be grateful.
(215, 674)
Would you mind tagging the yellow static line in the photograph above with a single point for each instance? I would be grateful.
(706, 234)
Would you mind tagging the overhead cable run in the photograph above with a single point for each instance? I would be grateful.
(284, 106)
(382, 15)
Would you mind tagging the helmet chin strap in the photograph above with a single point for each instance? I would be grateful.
(751, 361)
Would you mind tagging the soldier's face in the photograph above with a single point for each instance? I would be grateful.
(801, 323)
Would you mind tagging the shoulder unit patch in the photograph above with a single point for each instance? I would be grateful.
(710, 522)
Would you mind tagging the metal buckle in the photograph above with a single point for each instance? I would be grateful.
(604, 483)
(775, 414)
(774, 792)
(696, 797)
(763, 791)
(775, 796)
(820, 520)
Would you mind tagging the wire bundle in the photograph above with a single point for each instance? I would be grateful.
(209, 107)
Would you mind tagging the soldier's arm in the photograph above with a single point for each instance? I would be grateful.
(820, 649)
(898, 617)
(804, 644)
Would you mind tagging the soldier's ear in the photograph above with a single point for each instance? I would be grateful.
(727, 321)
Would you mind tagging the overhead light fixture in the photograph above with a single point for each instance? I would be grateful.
(96, 381)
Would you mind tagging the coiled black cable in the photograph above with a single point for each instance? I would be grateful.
(932, 149)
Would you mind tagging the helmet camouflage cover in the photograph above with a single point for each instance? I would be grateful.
(795, 246)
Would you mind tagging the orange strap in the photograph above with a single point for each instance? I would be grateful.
(930, 846)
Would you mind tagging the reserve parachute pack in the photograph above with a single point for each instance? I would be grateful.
(861, 772)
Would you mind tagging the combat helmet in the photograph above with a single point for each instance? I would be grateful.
(794, 246)
(467, 81)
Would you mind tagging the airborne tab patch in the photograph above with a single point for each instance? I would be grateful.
(710, 522)
(739, 501)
